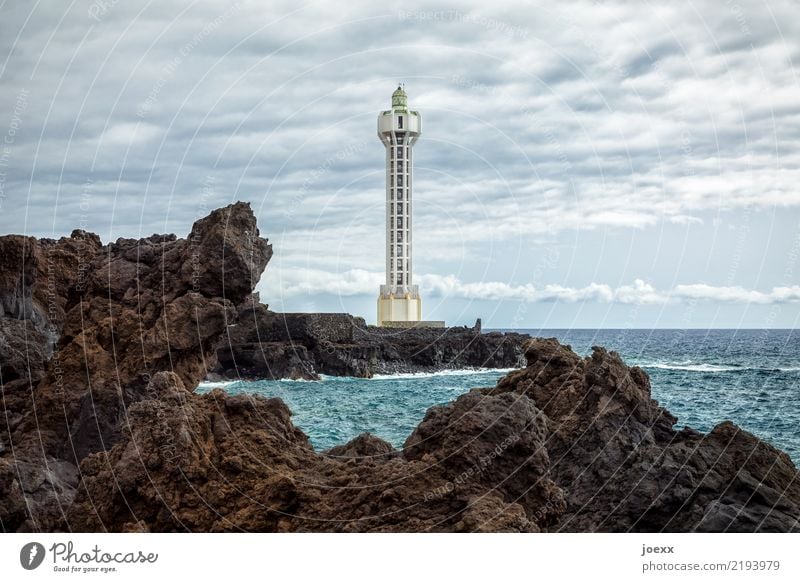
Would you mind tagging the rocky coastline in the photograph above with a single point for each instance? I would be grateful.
(267, 345)
(103, 345)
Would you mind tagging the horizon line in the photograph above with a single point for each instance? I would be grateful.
(644, 328)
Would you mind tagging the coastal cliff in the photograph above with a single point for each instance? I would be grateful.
(103, 346)
(269, 345)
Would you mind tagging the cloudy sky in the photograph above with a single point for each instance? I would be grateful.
(587, 164)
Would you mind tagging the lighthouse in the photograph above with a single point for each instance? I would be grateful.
(399, 303)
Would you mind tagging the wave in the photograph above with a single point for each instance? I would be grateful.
(692, 367)
(294, 380)
(712, 368)
(457, 372)
(208, 386)
(217, 384)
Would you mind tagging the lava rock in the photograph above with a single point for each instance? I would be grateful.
(122, 313)
(270, 345)
(624, 467)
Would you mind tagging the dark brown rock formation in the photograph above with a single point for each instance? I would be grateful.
(24, 350)
(219, 463)
(364, 446)
(265, 344)
(122, 312)
(156, 304)
(38, 279)
(566, 444)
(624, 466)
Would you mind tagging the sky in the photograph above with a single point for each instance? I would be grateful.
(582, 164)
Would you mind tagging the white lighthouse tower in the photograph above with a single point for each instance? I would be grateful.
(399, 303)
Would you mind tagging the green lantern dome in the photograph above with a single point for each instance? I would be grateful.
(399, 98)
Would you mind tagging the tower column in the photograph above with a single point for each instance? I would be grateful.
(399, 128)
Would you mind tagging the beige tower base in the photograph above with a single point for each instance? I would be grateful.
(402, 312)
(399, 309)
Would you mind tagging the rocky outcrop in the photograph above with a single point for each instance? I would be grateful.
(38, 280)
(364, 446)
(432, 349)
(37, 277)
(228, 463)
(122, 312)
(24, 350)
(565, 444)
(270, 345)
(156, 304)
(624, 466)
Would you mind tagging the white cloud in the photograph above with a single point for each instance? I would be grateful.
(308, 282)
(293, 282)
(129, 134)
(450, 286)
(639, 293)
(738, 294)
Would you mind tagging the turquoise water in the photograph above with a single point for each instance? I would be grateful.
(751, 377)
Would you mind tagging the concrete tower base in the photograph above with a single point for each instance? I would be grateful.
(412, 324)
(399, 309)
(402, 312)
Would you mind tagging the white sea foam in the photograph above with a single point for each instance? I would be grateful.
(458, 372)
(219, 384)
(227, 383)
(689, 367)
(293, 380)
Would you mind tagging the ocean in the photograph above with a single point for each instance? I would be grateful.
(703, 377)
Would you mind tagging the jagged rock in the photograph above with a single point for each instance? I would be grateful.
(265, 360)
(149, 305)
(623, 466)
(215, 462)
(497, 443)
(188, 452)
(432, 349)
(266, 344)
(36, 492)
(364, 446)
(37, 277)
(24, 353)
(270, 345)
(488, 513)
(567, 444)
(124, 312)
(24, 350)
